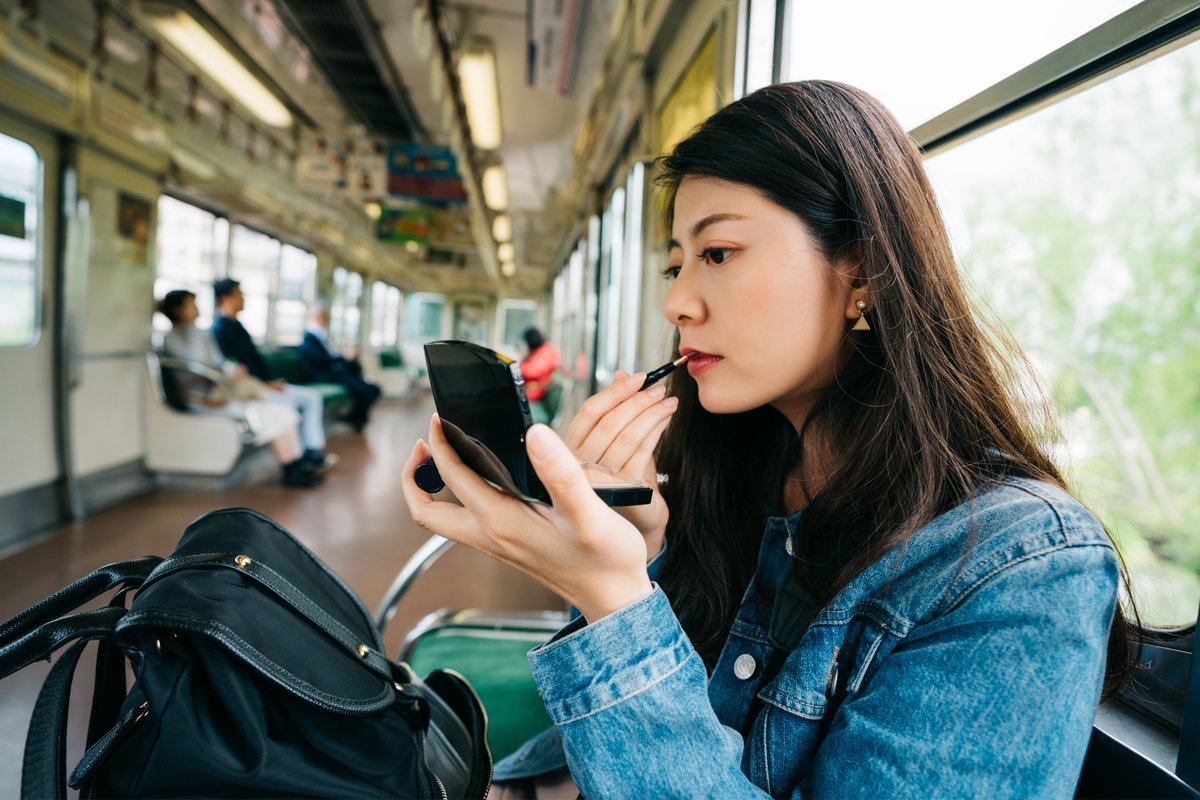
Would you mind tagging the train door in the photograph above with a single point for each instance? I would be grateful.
(30, 467)
(109, 297)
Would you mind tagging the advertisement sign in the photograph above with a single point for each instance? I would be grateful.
(404, 225)
(425, 173)
(12, 217)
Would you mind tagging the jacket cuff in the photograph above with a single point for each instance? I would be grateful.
(587, 668)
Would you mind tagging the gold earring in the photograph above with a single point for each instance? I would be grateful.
(861, 325)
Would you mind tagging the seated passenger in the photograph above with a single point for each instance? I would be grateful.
(320, 362)
(874, 581)
(277, 424)
(537, 367)
(235, 342)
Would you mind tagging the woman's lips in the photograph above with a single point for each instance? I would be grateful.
(698, 362)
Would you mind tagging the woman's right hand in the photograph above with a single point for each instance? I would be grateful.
(618, 428)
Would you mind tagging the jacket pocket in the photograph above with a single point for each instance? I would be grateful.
(834, 661)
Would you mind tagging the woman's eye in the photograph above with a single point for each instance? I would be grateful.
(671, 273)
(715, 255)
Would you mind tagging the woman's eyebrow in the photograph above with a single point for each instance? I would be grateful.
(701, 224)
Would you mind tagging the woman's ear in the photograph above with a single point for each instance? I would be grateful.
(853, 275)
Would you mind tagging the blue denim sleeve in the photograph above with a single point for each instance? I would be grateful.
(994, 698)
(629, 697)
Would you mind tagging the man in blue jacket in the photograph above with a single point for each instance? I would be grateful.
(320, 362)
(235, 342)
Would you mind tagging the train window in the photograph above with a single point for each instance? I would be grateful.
(20, 201)
(950, 50)
(515, 316)
(631, 292)
(297, 288)
(190, 248)
(612, 251)
(385, 314)
(760, 43)
(345, 313)
(254, 263)
(423, 317)
(1078, 226)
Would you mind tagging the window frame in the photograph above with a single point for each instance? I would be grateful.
(38, 320)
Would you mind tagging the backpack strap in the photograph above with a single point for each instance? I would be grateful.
(43, 773)
(126, 574)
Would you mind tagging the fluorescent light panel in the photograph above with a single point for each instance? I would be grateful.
(502, 228)
(495, 188)
(505, 251)
(190, 38)
(477, 74)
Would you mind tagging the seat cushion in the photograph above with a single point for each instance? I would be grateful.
(331, 393)
(284, 362)
(498, 670)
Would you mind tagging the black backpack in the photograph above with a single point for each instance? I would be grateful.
(258, 673)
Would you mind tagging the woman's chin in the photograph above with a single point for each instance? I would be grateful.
(715, 402)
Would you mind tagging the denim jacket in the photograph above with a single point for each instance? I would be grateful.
(967, 662)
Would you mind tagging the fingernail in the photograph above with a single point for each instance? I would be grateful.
(541, 442)
(635, 380)
(657, 390)
(671, 402)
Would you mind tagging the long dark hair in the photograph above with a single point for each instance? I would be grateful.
(932, 386)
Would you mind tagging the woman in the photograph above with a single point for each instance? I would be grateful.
(273, 424)
(537, 368)
(871, 580)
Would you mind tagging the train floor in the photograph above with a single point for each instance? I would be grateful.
(357, 522)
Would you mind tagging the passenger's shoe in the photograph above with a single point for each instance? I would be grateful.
(300, 474)
(355, 421)
(320, 461)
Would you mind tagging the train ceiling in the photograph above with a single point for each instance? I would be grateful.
(366, 70)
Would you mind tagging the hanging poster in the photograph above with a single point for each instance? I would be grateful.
(403, 225)
(425, 173)
(320, 165)
(366, 171)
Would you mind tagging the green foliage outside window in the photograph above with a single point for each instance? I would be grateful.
(1080, 227)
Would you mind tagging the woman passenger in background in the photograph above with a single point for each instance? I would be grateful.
(273, 424)
(537, 368)
(862, 575)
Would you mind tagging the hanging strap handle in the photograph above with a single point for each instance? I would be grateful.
(128, 574)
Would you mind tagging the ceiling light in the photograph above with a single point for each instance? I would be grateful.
(191, 39)
(508, 269)
(505, 251)
(477, 74)
(411, 246)
(495, 188)
(374, 210)
(502, 228)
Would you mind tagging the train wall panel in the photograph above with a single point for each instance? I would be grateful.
(27, 442)
(106, 414)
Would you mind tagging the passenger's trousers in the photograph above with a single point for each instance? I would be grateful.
(312, 410)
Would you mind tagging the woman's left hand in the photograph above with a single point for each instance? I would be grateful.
(579, 548)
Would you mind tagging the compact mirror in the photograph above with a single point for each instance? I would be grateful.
(480, 397)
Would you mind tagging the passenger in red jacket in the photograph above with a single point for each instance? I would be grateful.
(536, 369)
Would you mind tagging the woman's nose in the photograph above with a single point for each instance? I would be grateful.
(683, 304)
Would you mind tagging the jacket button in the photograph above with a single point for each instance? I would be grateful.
(744, 667)
(787, 546)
